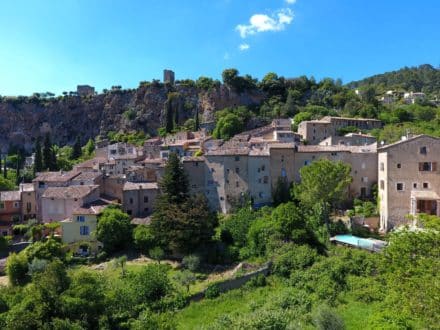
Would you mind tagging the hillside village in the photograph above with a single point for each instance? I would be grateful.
(248, 166)
(274, 204)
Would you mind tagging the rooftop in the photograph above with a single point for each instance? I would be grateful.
(10, 196)
(69, 192)
(140, 186)
(95, 207)
(27, 187)
(406, 140)
(58, 176)
(88, 175)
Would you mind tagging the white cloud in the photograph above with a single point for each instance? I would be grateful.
(244, 47)
(290, 2)
(263, 23)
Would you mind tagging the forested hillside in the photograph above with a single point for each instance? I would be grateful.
(424, 78)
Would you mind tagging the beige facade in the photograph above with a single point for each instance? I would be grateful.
(138, 198)
(314, 131)
(409, 180)
(350, 139)
(58, 203)
(363, 163)
(195, 168)
(28, 201)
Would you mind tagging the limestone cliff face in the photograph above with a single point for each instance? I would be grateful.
(23, 119)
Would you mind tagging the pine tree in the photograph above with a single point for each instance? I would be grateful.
(47, 153)
(174, 183)
(169, 123)
(38, 162)
(76, 152)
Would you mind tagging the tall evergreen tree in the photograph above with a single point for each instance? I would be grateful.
(174, 183)
(38, 162)
(53, 160)
(5, 169)
(76, 152)
(17, 171)
(197, 120)
(47, 152)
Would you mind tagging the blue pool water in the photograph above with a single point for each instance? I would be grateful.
(360, 242)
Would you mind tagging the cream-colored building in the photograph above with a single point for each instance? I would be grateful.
(409, 180)
(314, 131)
(81, 226)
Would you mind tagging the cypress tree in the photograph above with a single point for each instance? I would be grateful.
(17, 171)
(196, 120)
(47, 152)
(38, 162)
(5, 169)
(169, 124)
(53, 160)
(76, 152)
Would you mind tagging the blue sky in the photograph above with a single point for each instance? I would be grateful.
(53, 45)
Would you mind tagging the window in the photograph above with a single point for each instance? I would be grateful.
(282, 158)
(260, 194)
(363, 166)
(16, 205)
(425, 185)
(28, 206)
(129, 212)
(237, 170)
(237, 184)
(80, 218)
(399, 186)
(237, 158)
(227, 170)
(131, 200)
(382, 185)
(212, 170)
(84, 230)
(266, 179)
(427, 167)
(364, 179)
(146, 209)
(41, 184)
(283, 173)
(382, 166)
(423, 151)
(145, 199)
(333, 154)
(306, 162)
(399, 165)
(415, 185)
(196, 164)
(222, 198)
(259, 180)
(263, 168)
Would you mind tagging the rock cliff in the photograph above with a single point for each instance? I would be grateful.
(23, 119)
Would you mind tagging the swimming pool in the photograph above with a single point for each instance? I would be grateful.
(363, 243)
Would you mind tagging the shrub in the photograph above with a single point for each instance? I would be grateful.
(17, 269)
(326, 319)
(292, 257)
(257, 281)
(212, 291)
(191, 262)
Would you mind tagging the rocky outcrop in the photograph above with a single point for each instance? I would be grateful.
(23, 119)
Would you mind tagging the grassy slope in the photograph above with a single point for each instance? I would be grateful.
(202, 314)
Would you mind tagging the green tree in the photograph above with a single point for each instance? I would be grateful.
(227, 126)
(114, 229)
(174, 182)
(48, 153)
(17, 268)
(185, 278)
(281, 193)
(143, 238)
(156, 253)
(325, 183)
(76, 151)
(90, 147)
(38, 163)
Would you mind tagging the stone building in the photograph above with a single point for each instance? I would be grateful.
(138, 198)
(10, 210)
(314, 131)
(84, 90)
(28, 201)
(58, 203)
(168, 76)
(350, 139)
(409, 180)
